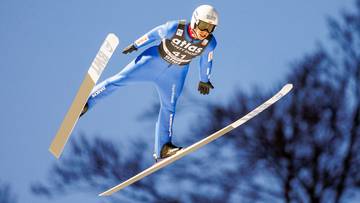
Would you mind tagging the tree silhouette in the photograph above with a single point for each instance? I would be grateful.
(96, 165)
(6, 195)
(305, 148)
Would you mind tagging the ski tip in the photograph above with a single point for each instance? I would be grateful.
(113, 38)
(287, 87)
(102, 194)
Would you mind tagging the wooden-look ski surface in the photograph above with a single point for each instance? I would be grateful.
(98, 65)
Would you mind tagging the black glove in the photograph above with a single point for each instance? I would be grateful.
(129, 49)
(204, 87)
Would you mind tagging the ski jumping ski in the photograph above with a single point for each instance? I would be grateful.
(97, 67)
(286, 89)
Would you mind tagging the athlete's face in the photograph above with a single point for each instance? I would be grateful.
(201, 34)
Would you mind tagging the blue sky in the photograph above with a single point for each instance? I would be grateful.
(47, 46)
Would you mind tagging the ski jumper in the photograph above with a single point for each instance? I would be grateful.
(165, 65)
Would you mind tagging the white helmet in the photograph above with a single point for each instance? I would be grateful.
(205, 13)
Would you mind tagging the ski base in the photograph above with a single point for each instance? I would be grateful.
(286, 89)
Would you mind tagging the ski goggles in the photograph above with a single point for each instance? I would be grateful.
(204, 26)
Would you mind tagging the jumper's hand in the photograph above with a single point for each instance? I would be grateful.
(129, 49)
(204, 87)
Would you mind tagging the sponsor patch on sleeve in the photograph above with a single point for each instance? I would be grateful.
(210, 56)
(141, 40)
(179, 32)
(204, 42)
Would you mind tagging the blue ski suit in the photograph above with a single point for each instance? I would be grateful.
(167, 75)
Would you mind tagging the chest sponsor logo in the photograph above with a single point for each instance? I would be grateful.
(187, 46)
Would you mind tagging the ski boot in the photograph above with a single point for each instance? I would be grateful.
(166, 151)
(85, 109)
